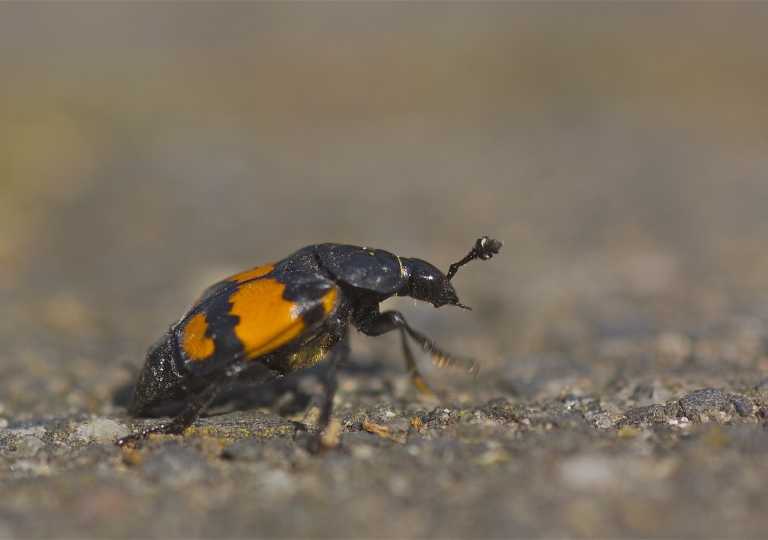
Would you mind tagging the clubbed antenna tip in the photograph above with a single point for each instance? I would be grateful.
(485, 248)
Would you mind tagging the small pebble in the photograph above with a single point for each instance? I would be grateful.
(585, 473)
(742, 406)
(101, 430)
(628, 432)
(29, 445)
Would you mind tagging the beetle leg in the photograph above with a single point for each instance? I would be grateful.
(410, 364)
(192, 411)
(337, 357)
(373, 323)
(186, 417)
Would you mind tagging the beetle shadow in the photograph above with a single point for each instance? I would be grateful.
(284, 395)
(299, 391)
(291, 395)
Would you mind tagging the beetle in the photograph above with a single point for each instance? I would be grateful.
(262, 324)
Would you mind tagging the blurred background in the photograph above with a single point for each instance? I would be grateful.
(620, 150)
(147, 150)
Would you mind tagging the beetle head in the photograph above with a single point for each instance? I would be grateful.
(426, 282)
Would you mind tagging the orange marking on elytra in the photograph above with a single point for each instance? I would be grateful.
(267, 320)
(196, 345)
(329, 299)
(252, 274)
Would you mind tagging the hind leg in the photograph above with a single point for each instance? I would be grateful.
(192, 411)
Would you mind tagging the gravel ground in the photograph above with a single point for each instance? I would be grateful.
(147, 151)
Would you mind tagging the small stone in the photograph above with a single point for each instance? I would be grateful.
(492, 457)
(29, 445)
(396, 429)
(363, 452)
(673, 409)
(399, 486)
(101, 430)
(645, 416)
(704, 405)
(587, 473)
(600, 420)
(277, 484)
(628, 432)
(742, 406)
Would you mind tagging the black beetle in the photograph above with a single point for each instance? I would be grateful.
(262, 324)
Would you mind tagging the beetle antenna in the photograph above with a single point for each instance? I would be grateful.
(485, 248)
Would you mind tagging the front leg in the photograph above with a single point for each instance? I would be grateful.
(371, 322)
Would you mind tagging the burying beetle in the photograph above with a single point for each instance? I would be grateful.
(260, 325)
